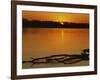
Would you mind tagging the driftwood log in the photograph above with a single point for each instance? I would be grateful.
(63, 58)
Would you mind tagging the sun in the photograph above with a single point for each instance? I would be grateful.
(61, 23)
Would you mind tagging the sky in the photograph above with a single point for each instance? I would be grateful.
(58, 16)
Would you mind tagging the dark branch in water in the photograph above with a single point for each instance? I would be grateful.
(63, 58)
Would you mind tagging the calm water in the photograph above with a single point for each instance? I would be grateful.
(45, 42)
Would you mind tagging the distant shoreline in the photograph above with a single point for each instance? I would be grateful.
(52, 24)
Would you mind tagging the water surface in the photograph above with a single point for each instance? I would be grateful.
(41, 42)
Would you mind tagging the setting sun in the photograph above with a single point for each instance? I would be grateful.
(61, 23)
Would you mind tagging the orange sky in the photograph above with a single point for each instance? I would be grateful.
(60, 17)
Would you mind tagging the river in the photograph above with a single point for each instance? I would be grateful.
(42, 42)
